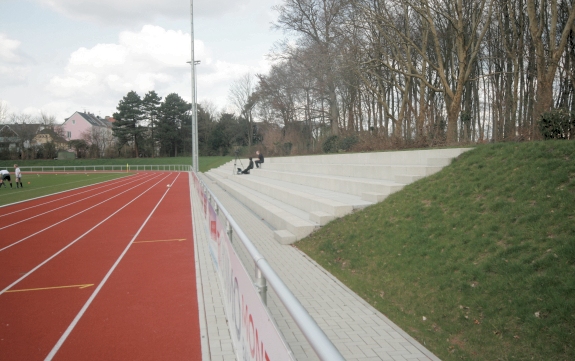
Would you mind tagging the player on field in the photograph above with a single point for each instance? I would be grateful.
(18, 175)
(5, 176)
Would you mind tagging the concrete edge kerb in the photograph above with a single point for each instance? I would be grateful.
(204, 339)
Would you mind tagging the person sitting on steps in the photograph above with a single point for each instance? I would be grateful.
(260, 158)
(250, 166)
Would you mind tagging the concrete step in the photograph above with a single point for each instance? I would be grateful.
(408, 157)
(280, 216)
(348, 185)
(397, 173)
(306, 201)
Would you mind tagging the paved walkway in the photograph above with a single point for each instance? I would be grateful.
(359, 331)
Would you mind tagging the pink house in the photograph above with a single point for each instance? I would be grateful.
(79, 124)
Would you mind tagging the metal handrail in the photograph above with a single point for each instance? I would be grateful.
(321, 344)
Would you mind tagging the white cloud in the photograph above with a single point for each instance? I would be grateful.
(12, 67)
(151, 59)
(138, 11)
(8, 49)
(92, 65)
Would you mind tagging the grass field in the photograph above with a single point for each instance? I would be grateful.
(38, 185)
(477, 262)
(44, 184)
(206, 163)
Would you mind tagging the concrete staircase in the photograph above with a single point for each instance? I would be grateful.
(296, 195)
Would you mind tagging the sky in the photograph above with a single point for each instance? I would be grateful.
(63, 56)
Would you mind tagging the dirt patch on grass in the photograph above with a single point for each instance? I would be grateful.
(457, 341)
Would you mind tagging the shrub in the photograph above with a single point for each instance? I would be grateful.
(334, 143)
(346, 143)
(330, 144)
(557, 124)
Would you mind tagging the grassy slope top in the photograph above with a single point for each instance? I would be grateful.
(484, 250)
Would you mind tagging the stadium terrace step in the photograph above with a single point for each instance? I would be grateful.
(374, 171)
(308, 202)
(341, 184)
(408, 157)
(279, 216)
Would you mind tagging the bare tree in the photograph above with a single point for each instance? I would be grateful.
(316, 24)
(100, 139)
(455, 70)
(3, 112)
(47, 120)
(549, 37)
(26, 129)
(242, 97)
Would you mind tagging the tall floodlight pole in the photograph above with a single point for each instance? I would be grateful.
(194, 105)
(195, 129)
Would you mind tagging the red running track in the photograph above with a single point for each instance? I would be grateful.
(104, 272)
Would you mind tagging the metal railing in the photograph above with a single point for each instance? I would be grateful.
(111, 168)
(265, 275)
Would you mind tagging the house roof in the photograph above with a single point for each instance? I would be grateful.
(6, 130)
(25, 129)
(94, 120)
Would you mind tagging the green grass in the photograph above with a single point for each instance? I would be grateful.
(206, 163)
(484, 250)
(44, 184)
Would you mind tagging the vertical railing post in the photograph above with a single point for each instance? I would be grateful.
(229, 231)
(261, 285)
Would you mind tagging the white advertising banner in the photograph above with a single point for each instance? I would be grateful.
(254, 335)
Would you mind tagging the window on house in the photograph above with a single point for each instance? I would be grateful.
(73, 121)
(69, 135)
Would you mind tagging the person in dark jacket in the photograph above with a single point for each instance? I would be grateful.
(250, 166)
(260, 158)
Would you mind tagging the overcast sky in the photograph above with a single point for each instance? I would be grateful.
(62, 56)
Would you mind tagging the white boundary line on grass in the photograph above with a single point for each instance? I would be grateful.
(103, 282)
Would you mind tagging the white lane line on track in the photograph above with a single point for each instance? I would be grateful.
(57, 208)
(64, 220)
(73, 242)
(97, 290)
(130, 180)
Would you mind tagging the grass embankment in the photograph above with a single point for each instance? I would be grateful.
(206, 163)
(38, 185)
(477, 261)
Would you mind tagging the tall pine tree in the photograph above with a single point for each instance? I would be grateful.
(127, 125)
(174, 114)
(151, 107)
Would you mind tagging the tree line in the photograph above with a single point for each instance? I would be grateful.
(150, 127)
(418, 72)
(373, 74)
